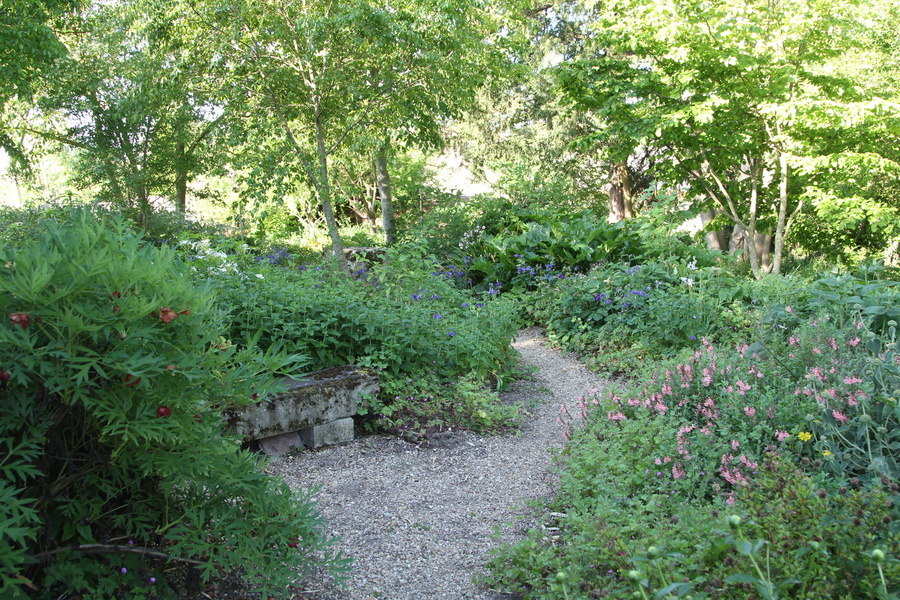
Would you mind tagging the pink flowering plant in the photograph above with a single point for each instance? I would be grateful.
(722, 410)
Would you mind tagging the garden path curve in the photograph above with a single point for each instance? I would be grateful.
(419, 521)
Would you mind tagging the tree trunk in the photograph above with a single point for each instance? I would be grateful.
(384, 192)
(715, 240)
(181, 179)
(764, 251)
(782, 212)
(323, 190)
(750, 237)
(620, 205)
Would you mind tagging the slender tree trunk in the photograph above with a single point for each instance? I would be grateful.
(780, 229)
(323, 189)
(181, 179)
(620, 205)
(750, 238)
(384, 192)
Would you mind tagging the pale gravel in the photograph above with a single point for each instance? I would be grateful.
(420, 521)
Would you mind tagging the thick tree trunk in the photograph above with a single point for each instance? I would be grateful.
(764, 251)
(620, 203)
(715, 240)
(181, 179)
(384, 192)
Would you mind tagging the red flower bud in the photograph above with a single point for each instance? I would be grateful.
(20, 319)
(115, 294)
(130, 380)
(185, 311)
(167, 315)
(254, 396)
(163, 411)
(4, 376)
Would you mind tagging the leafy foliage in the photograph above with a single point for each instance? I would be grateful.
(114, 373)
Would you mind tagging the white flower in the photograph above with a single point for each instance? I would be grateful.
(259, 276)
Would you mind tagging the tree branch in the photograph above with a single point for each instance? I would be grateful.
(110, 548)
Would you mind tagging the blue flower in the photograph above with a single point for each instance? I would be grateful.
(417, 297)
(480, 305)
(465, 305)
(435, 297)
(451, 334)
(437, 316)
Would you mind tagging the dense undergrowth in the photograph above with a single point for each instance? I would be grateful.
(748, 449)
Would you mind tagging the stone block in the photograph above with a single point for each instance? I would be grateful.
(323, 397)
(278, 445)
(338, 431)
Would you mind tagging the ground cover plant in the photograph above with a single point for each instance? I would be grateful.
(789, 433)
(114, 371)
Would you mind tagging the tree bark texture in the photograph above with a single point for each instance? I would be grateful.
(181, 179)
(383, 178)
(620, 203)
(323, 189)
(715, 240)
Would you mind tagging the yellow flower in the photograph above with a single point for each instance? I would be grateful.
(826, 453)
(804, 436)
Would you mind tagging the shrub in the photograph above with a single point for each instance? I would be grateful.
(408, 319)
(114, 371)
(651, 309)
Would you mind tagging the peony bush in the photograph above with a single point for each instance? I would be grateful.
(114, 371)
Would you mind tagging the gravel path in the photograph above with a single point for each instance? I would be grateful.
(420, 521)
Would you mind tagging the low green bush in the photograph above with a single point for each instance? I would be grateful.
(115, 368)
(653, 309)
(408, 319)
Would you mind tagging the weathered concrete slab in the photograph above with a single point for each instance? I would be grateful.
(279, 445)
(323, 397)
(339, 431)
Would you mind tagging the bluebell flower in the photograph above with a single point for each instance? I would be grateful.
(480, 305)
(417, 297)
(435, 297)
(437, 316)
(450, 333)
(465, 305)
